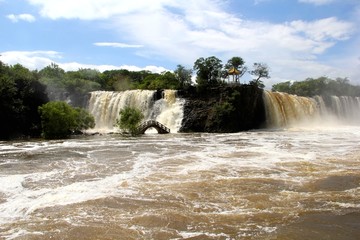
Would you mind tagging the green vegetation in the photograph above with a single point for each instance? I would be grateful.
(20, 96)
(60, 120)
(22, 91)
(225, 110)
(183, 76)
(319, 86)
(73, 86)
(236, 63)
(260, 70)
(130, 119)
(210, 72)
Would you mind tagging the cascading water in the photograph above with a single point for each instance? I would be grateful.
(105, 107)
(347, 108)
(169, 110)
(284, 110)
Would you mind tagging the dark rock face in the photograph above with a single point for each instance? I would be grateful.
(231, 108)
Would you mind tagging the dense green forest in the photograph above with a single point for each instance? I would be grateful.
(23, 91)
(322, 86)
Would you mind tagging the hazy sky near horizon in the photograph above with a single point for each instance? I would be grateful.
(295, 38)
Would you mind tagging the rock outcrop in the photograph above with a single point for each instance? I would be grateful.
(230, 108)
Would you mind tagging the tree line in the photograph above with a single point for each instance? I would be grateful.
(322, 86)
(23, 93)
(75, 85)
(27, 112)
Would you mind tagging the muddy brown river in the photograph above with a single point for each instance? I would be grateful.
(300, 183)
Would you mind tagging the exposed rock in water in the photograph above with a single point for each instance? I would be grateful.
(231, 108)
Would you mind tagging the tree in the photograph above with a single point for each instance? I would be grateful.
(20, 96)
(10, 106)
(77, 87)
(166, 80)
(84, 120)
(53, 77)
(52, 71)
(282, 87)
(323, 86)
(60, 120)
(183, 76)
(118, 80)
(208, 71)
(129, 120)
(260, 70)
(149, 82)
(239, 64)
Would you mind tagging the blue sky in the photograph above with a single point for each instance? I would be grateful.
(295, 38)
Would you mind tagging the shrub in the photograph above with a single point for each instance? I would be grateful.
(60, 120)
(129, 120)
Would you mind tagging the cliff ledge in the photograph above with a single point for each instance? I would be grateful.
(230, 108)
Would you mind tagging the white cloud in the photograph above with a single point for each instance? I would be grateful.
(94, 9)
(181, 33)
(74, 66)
(324, 29)
(30, 59)
(40, 59)
(117, 45)
(317, 2)
(21, 17)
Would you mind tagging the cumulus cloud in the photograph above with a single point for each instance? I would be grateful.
(21, 17)
(117, 45)
(324, 29)
(30, 59)
(198, 27)
(74, 66)
(40, 59)
(181, 33)
(94, 9)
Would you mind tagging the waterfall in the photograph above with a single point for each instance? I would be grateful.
(346, 108)
(169, 110)
(105, 107)
(285, 110)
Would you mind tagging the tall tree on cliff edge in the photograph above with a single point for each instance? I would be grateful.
(239, 64)
(260, 70)
(208, 71)
(183, 76)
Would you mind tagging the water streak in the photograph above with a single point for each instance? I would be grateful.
(286, 110)
(105, 106)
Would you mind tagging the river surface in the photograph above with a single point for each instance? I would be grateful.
(300, 183)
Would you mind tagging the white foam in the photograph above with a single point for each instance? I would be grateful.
(16, 233)
(21, 202)
(105, 106)
(273, 155)
(187, 234)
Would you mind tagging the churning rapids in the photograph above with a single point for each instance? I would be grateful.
(297, 183)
